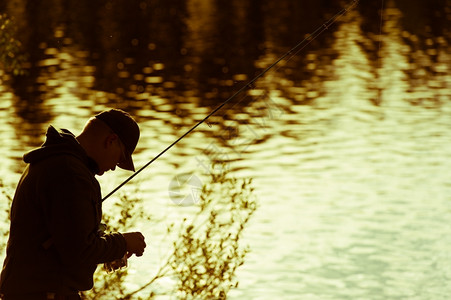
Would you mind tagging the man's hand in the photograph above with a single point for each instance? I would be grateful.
(116, 264)
(135, 243)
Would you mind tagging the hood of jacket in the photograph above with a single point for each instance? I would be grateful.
(60, 142)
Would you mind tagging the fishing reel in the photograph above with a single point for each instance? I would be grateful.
(117, 264)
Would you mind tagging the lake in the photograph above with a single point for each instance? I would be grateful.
(348, 140)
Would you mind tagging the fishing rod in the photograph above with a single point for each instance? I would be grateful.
(292, 52)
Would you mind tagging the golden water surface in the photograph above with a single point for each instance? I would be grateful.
(348, 141)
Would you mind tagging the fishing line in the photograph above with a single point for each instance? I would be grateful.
(290, 54)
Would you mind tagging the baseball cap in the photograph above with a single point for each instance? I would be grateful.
(126, 129)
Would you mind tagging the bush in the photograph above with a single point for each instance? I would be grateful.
(6, 194)
(206, 250)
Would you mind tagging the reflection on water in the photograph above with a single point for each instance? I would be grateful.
(348, 142)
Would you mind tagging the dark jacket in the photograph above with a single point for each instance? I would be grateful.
(54, 244)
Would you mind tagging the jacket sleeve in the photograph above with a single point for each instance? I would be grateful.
(70, 197)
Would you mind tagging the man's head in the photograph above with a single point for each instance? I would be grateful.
(110, 138)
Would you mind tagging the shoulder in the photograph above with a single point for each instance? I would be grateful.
(65, 169)
(62, 162)
(65, 176)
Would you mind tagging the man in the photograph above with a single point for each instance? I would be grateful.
(55, 244)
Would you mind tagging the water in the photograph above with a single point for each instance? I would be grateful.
(348, 142)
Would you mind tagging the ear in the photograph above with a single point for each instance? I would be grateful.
(110, 139)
